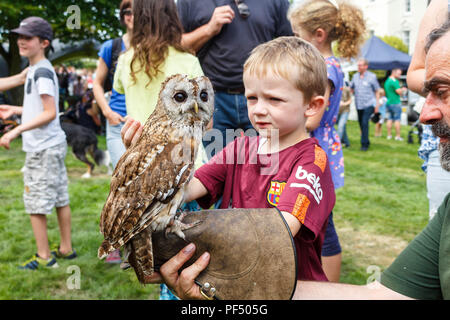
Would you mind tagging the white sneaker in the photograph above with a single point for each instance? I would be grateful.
(389, 137)
(399, 138)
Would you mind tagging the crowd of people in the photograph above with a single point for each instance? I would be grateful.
(280, 73)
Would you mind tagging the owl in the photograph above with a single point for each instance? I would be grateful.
(150, 179)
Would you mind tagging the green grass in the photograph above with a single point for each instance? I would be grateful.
(98, 280)
(382, 206)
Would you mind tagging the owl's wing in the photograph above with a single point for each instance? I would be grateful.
(147, 179)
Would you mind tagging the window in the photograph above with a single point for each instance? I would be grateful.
(406, 37)
(407, 5)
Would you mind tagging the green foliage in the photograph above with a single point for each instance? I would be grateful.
(84, 63)
(396, 42)
(99, 18)
(98, 280)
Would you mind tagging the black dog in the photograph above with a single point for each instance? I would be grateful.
(84, 141)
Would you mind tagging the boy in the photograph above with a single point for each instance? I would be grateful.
(285, 80)
(44, 142)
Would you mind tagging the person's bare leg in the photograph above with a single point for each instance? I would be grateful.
(389, 128)
(39, 225)
(397, 129)
(378, 129)
(64, 222)
(332, 267)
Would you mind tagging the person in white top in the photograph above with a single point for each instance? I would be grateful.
(44, 142)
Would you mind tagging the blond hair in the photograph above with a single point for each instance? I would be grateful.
(344, 23)
(293, 59)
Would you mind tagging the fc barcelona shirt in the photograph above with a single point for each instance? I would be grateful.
(296, 180)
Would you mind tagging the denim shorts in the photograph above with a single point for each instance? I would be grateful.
(394, 112)
(331, 245)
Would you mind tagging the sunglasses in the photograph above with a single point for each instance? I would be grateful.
(128, 12)
(243, 9)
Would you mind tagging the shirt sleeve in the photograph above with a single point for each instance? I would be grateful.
(415, 272)
(213, 176)
(45, 83)
(106, 53)
(284, 27)
(375, 84)
(332, 75)
(117, 84)
(309, 192)
(183, 13)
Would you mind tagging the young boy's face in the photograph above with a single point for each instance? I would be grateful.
(275, 103)
(30, 46)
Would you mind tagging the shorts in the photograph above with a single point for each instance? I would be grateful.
(45, 180)
(331, 245)
(394, 112)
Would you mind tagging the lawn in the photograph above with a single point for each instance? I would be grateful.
(381, 208)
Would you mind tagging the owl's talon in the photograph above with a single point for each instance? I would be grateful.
(178, 227)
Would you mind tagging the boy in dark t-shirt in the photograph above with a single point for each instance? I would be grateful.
(285, 80)
(282, 167)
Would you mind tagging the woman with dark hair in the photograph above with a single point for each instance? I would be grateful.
(155, 53)
(114, 110)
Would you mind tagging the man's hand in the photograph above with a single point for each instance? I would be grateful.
(221, 15)
(183, 284)
(131, 131)
(8, 137)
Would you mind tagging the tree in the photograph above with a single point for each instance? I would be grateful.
(71, 20)
(396, 42)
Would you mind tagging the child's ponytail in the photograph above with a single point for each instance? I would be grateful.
(342, 21)
(349, 30)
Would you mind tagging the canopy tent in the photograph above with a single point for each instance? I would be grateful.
(382, 56)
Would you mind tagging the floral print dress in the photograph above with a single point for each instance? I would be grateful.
(326, 134)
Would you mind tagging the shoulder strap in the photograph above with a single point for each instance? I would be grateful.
(115, 52)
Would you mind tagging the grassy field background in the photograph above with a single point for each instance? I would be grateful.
(381, 208)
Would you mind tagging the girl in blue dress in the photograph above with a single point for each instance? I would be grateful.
(321, 22)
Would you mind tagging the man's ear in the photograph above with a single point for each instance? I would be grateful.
(315, 106)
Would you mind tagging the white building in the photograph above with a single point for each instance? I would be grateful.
(400, 18)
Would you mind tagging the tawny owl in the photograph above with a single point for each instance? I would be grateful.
(149, 181)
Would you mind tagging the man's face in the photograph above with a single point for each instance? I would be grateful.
(436, 110)
(396, 73)
(362, 67)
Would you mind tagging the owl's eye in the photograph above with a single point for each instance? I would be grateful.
(204, 96)
(180, 96)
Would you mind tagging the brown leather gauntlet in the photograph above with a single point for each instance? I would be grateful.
(252, 253)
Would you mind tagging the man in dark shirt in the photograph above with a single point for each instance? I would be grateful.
(223, 33)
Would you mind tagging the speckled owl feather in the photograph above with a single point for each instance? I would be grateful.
(149, 181)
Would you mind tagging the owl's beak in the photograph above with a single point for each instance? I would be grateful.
(196, 107)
